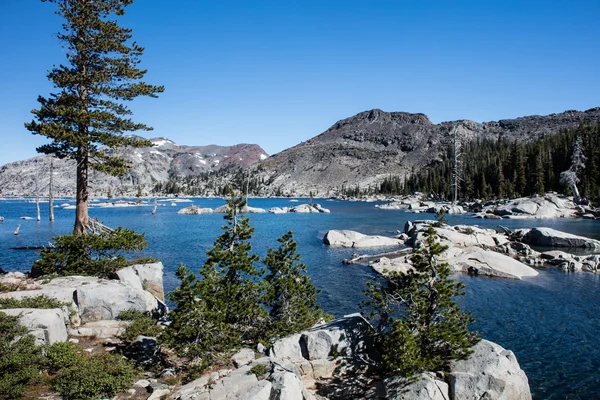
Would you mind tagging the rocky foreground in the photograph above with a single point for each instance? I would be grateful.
(333, 360)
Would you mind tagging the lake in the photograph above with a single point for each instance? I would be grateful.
(550, 321)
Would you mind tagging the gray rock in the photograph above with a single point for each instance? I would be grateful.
(46, 325)
(346, 238)
(549, 237)
(195, 210)
(107, 299)
(260, 391)
(286, 386)
(349, 336)
(490, 373)
(103, 329)
(317, 344)
(243, 357)
(151, 278)
(425, 387)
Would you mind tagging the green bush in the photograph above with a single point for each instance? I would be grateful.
(61, 355)
(260, 370)
(96, 255)
(141, 324)
(20, 358)
(93, 377)
(7, 288)
(41, 301)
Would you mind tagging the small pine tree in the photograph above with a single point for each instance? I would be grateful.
(291, 297)
(223, 309)
(431, 329)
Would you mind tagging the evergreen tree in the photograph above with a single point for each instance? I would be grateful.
(290, 297)
(223, 309)
(102, 71)
(431, 329)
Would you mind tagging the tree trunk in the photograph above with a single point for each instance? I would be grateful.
(576, 196)
(50, 195)
(37, 192)
(81, 205)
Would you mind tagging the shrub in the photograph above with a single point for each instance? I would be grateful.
(61, 355)
(141, 324)
(93, 377)
(96, 255)
(259, 370)
(20, 358)
(41, 301)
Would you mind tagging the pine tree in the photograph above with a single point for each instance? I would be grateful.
(291, 297)
(223, 309)
(431, 329)
(88, 112)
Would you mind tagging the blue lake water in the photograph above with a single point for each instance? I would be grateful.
(551, 321)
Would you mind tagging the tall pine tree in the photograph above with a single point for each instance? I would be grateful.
(291, 297)
(88, 110)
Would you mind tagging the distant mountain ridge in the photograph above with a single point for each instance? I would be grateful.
(149, 165)
(357, 151)
(365, 148)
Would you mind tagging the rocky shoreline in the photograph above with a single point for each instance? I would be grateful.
(475, 251)
(332, 360)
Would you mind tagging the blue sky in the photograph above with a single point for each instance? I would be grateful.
(277, 73)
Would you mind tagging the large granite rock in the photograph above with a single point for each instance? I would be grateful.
(105, 299)
(491, 263)
(101, 299)
(490, 373)
(148, 277)
(346, 238)
(547, 206)
(347, 336)
(46, 325)
(195, 210)
(549, 237)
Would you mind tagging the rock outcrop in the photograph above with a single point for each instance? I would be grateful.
(539, 207)
(92, 304)
(345, 238)
(48, 326)
(491, 372)
(195, 210)
(548, 237)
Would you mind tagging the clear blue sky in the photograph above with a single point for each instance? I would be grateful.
(280, 72)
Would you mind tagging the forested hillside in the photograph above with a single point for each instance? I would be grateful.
(506, 168)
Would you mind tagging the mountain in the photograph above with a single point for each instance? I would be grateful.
(149, 165)
(363, 149)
